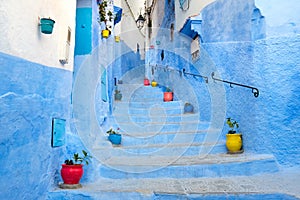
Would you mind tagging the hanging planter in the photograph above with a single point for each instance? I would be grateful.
(47, 25)
(105, 33)
(117, 38)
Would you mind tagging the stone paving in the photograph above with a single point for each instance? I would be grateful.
(284, 182)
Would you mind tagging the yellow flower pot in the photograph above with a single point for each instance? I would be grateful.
(117, 38)
(153, 83)
(105, 33)
(234, 142)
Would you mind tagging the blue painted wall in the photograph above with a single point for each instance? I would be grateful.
(83, 40)
(270, 123)
(235, 41)
(30, 96)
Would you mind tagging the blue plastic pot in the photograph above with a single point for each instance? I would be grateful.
(188, 108)
(47, 25)
(115, 138)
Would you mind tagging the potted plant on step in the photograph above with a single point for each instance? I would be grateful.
(234, 142)
(118, 95)
(72, 170)
(188, 108)
(114, 137)
(153, 83)
(168, 95)
(146, 82)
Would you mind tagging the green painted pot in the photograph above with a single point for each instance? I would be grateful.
(47, 25)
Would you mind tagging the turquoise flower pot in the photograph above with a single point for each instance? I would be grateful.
(115, 138)
(47, 25)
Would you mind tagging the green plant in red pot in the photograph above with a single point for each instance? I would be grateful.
(168, 95)
(72, 170)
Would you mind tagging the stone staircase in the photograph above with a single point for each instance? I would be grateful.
(160, 141)
(166, 154)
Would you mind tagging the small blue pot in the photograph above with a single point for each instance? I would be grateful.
(115, 138)
(188, 108)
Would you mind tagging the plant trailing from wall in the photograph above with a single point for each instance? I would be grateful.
(102, 11)
(106, 15)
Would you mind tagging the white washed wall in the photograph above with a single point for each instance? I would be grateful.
(20, 34)
(195, 7)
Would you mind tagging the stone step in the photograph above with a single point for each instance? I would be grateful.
(166, 149)
(156, 104)
(203, 165)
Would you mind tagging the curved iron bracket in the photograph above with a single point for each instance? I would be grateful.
(255, 91)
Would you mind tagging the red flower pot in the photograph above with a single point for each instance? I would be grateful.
(71, 174)
(146, 82)
(168, 96)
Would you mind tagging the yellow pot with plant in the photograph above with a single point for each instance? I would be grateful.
(153, 83)
(105, 33)
(234, 142)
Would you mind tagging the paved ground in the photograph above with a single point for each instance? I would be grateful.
(286, 182)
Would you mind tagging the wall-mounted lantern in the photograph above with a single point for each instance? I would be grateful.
(46, 25)
(140, 21)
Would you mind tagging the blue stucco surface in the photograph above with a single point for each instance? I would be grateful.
(83, 40)
(235, 44)
(30, 96)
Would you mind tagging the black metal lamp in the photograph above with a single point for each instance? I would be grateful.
(140, 21)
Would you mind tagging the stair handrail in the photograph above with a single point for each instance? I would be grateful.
(168, 68)
(199, 75)
(255, 90)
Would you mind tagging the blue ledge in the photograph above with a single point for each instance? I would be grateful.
(189, 27)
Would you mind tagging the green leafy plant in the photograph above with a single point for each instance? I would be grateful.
(112, 131)
(233, 125)
(102, 11)
(168, 89)
(77, 159)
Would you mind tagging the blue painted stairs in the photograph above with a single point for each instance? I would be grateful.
(160, 141)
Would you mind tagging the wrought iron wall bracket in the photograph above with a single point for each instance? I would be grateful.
(198, 75)
(255, 91)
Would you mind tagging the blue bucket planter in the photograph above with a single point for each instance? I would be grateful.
(47, 25)
(115, 138)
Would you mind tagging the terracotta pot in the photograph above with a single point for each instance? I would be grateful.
(168, 96)
(71, 174)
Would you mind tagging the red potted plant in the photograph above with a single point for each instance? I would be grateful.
(146, 82)
(72, 171)
(168, 95)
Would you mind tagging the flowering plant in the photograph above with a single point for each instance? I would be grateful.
(111, 131)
